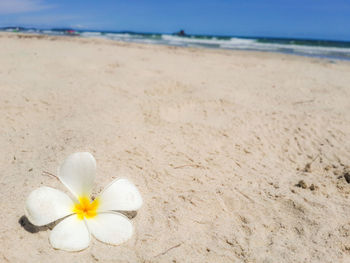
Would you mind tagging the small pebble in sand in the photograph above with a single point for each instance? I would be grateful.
(307, 168)
(347, 177)
(301, 184)
(327, 168)
(312, 187)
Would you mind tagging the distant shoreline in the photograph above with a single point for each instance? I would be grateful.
(333, 50)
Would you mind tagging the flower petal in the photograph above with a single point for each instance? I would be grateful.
(121, 195)
(45, 205)
(77, 173)
(110, 227)
(71, 234)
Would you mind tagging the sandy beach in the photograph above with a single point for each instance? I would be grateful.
(239, 156)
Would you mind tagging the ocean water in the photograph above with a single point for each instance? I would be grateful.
(305, 47)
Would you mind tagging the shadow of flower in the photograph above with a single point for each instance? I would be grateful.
(29, 227)
(128, 214)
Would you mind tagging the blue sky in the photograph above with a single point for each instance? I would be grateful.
(321, 19)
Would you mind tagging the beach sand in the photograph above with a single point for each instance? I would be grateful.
(239, 156)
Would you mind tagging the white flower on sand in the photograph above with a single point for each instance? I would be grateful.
(83, 216)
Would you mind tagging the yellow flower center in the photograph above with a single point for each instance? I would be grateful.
(86, 208)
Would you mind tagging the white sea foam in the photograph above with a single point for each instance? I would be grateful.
(90, 34)
(224, 43)
(207, 41)
(285, 47)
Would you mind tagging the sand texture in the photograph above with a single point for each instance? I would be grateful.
(239, 156)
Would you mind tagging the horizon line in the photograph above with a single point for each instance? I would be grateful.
(172, 33)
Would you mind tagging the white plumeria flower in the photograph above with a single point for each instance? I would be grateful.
(83, 216)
